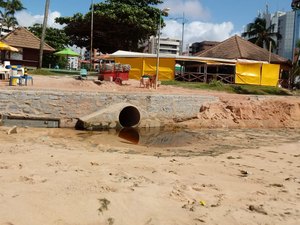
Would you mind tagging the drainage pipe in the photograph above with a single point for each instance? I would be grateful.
(122, 115)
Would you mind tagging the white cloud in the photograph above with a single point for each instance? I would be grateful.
(197, 31)
(193, 9)
(27, 19)
(197, 25)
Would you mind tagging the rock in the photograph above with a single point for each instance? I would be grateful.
(94, 164)
(245, 173)
(12, 130)
(258, 209)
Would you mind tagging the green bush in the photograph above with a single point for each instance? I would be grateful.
(216, 83)
(231, 88)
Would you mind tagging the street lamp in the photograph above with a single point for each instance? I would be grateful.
(165, 10)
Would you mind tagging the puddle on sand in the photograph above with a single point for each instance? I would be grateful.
(157, 137)
(214, 139)
(154, 137)
(162, 142)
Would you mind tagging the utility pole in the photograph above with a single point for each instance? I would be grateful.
(43, 33)
(182, 32)
(165, 10)
(92, 34)
(182, 38)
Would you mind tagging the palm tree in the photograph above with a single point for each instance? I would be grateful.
(261, 35)
(295, 4)
(8, 14)
(8, 20)
(295, 71)
(11, 6)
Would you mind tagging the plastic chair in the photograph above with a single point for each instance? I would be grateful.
(83, 74)
(26, 78)
(6, 63)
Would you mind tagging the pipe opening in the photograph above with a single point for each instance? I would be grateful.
(129, 116)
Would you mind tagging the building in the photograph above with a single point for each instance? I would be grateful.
(287, 24)
(28, 45)
(5, 30)
(239, 48)
(201, 46)
(286, 30)
(234, 60)
(73, 63)
(278, 22)
(167, 46)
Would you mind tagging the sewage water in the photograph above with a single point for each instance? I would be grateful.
(206, 141)
(160, 142)
(158, 137)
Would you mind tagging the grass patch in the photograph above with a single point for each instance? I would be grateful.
(230, 88)
(259, 90)
(296, 92)
(56, 72)
(215, 86)
(41, 72)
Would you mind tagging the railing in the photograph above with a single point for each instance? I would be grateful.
(205, 78)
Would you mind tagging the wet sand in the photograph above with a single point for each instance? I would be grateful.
(64, 177)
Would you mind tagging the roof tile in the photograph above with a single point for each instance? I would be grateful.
(239, 48)
(21, 37)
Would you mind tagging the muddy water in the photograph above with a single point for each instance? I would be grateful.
(186, 142)
(158, 142)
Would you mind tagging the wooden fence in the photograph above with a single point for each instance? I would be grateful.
(204, 77)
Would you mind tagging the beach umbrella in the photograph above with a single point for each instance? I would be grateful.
(6, 47)
(67, 52)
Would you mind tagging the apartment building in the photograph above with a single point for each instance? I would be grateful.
(167, 45)
(284, 23)
(5, 30)
(286, 43)
(198, 47)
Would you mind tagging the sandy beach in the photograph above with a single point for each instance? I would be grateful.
(247, 175)
(64, 177)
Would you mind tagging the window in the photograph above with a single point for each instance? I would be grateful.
(17, 55)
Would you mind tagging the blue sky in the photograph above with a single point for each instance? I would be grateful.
(205, 19)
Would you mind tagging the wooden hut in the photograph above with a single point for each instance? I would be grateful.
(27, 44)
(254, 65)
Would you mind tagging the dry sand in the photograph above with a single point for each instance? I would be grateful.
(228, 177)
(66, 177)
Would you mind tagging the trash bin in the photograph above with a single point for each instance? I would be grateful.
(14, 81)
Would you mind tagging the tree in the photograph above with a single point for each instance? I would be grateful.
(118, 24)
(54, 37)
(260, 34)
(295, 71)
(10, 7)
(8, 20)
(295, 4)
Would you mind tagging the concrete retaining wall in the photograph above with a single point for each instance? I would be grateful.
(68, 106)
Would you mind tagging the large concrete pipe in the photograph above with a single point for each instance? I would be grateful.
(115, 116)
